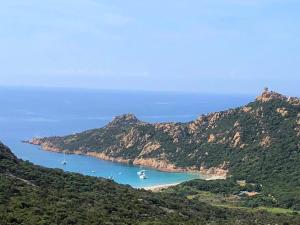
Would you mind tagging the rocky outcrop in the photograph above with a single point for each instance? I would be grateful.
(269, 95)
(160, 164)
(196, 125)
(45, 145)
(150, 147)
(294, 101)
(131, 138)
(218, 172)
(211, 138)
(246, 109)
(282, 111)
(101, 155)
(175, 131)
(237, 140)
(265, 142)
(123, 120)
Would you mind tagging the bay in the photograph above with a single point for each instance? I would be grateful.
(37, 112)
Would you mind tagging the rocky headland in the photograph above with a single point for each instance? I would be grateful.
(215, 145)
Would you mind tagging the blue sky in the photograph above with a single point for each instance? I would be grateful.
(224, 46)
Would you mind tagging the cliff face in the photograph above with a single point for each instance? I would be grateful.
(216, 143)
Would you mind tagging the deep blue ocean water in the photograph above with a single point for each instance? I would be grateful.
(36, 112)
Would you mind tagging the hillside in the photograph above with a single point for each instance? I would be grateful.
(258, 143)
(220, 139)
(32, 194)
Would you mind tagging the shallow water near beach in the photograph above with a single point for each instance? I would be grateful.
(34, 112)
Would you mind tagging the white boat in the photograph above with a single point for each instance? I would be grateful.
(64, 162)
(141, 172)
(143, 176)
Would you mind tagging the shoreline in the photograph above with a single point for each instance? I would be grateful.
(159, 187)
(207, 174)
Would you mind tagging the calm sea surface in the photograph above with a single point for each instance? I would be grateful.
(30, 112)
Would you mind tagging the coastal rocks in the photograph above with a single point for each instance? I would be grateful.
(213, 118)
(160, 164)
(34, 141)
(101, 155)
(45, 145)
(236, 124)
(195, 126)
(246, 109)
(282, 111)
(150, 147)
(211, 138)
(294, 101)
(124, 120)
(130, 139)
(207, 122)
(173, 130)
(157, 163)
(236, 141)
(265, 142)
(214, 173)
(269, 95)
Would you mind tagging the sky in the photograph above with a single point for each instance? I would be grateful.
(211, 46)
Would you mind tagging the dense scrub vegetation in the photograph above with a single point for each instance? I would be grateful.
(269, 197)
(31, 194)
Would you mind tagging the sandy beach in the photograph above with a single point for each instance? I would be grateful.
(157, 188)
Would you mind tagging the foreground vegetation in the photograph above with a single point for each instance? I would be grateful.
(31, 194)
(231, 194)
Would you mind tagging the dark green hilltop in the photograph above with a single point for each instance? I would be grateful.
(32, 194)
(255, 146)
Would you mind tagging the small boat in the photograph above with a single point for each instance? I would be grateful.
(141, 172)
(64, 162)
(143, 176)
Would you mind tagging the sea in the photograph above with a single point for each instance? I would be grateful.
(38, 112)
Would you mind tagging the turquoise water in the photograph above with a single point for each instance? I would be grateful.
(26, 113)
(87, 165)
